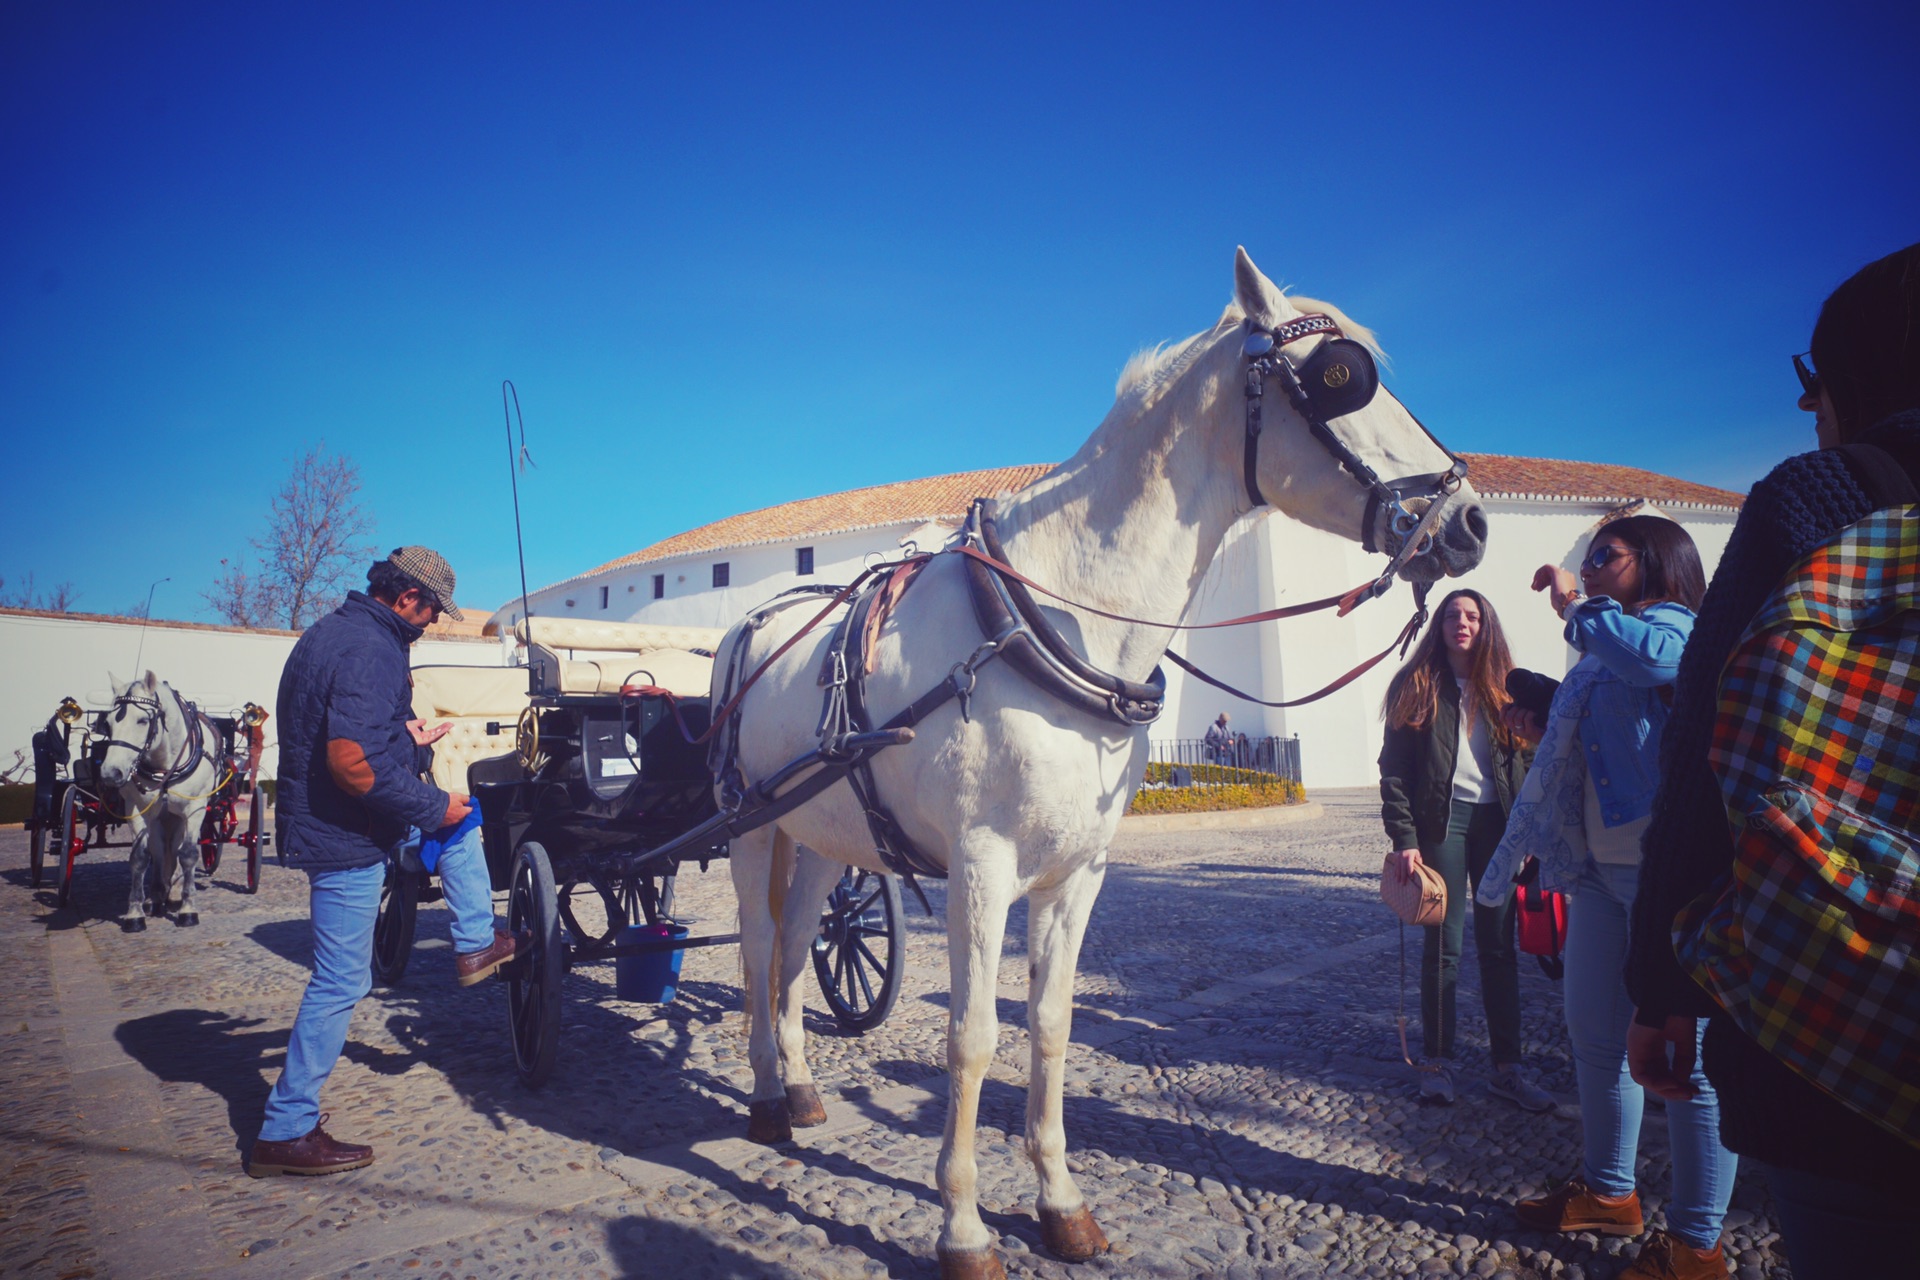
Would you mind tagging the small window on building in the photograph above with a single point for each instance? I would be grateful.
(603, 597)
(803, 561)
(721, 573)
(659, 586)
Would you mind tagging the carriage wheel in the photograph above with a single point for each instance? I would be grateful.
(393, 927)
(72, 833)
(256, 806)
(210, 842)
(37, 853)
(533, 983)
(859, 956)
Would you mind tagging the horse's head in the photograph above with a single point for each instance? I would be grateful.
(1336, 450)
(135, 724)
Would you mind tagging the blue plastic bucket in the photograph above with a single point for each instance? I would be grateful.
(653, 977)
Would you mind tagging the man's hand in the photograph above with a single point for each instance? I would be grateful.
(1557, 582)
(1404, 861)
(459, 805)
(1523, 724)
(427, 737)
(1661, 1058)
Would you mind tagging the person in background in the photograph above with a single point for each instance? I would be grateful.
(1449, 772)
(1581, 815)
(1842, 1185)
(350, 792)
(1218, 740)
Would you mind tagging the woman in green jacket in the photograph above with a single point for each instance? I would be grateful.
(1449, 772)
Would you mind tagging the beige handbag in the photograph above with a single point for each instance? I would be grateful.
(1419, 899)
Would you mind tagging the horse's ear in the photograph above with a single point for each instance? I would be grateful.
(113, 683)
(1259, 299)
(153, 682)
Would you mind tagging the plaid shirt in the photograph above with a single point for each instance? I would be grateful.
(1813, 945)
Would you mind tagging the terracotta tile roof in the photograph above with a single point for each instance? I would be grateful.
(947, 497)
(445, 629)
(906, 502)
(1502, 476)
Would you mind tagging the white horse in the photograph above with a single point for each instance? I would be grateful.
(1014, 790)
(164, 759)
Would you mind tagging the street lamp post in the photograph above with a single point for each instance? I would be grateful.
(144, 620)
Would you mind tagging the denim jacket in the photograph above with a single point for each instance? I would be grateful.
(1605, 720)
(1625, 712)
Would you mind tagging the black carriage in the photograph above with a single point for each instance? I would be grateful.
(603, 797)
(72, 811)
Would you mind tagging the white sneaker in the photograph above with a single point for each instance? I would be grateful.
(1513, 1084)
(1436, 1082)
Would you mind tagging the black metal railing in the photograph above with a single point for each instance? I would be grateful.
(1279, 757)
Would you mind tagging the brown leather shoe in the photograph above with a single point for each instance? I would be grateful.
(476, 966)
(1665, 1257)
(1574, 1206)
(315, 1153)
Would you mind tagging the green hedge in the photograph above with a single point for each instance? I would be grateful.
(16, 802)
(1230, 789)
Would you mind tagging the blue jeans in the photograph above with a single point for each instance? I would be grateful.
(344, 905)
(1837, 1229)
(1611, 1104)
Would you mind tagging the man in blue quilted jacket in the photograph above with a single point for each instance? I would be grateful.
(350, 792)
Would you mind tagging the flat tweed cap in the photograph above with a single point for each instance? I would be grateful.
(430, 569)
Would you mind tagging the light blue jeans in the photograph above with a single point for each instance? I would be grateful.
(1611, 1104)
(344, 905)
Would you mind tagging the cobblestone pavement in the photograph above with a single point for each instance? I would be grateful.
(1236, 1104)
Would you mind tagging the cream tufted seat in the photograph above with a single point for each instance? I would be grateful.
(601, 657)
(471, 699)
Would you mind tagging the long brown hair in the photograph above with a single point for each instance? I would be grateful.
(1414, 693)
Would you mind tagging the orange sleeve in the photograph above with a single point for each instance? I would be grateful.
(347, 762)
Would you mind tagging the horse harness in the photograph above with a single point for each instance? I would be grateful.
(192, 755)
(1337, 379)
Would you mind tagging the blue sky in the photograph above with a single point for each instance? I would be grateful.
(736, 255)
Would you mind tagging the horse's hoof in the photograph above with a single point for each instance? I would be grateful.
(187, 919)
(768, 1123)
(136, 924)
(804, 1107)
(971, 1264)
(1072, 1236)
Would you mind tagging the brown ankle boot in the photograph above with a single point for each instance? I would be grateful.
(1665, 1257)
(1574, 1206)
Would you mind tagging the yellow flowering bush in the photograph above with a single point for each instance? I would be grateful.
(1228, 788)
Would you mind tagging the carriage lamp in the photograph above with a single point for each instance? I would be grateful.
(253, 715)
(69, 712)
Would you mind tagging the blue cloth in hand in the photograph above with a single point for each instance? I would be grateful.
(435, 843)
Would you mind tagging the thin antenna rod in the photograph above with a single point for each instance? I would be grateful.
(515, 458)
(145, 619)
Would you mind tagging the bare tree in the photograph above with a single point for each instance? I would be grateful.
(313, 551)
(57, 599)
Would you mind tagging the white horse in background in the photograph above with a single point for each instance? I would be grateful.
(1012, 790)
(163, 757)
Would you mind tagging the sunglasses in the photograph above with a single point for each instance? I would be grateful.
(1600, 557)
(1809, 380)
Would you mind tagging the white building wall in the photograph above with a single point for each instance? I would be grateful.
(43, 659)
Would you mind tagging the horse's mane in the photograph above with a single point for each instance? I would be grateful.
(1155, 366)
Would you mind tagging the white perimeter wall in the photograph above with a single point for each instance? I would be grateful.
(43, 659)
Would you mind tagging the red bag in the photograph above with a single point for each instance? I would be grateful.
(1542, 917)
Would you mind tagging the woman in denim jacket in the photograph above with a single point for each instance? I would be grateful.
(1581, 812)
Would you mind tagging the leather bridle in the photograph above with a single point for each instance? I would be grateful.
(191, 753)
(1408, 532)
